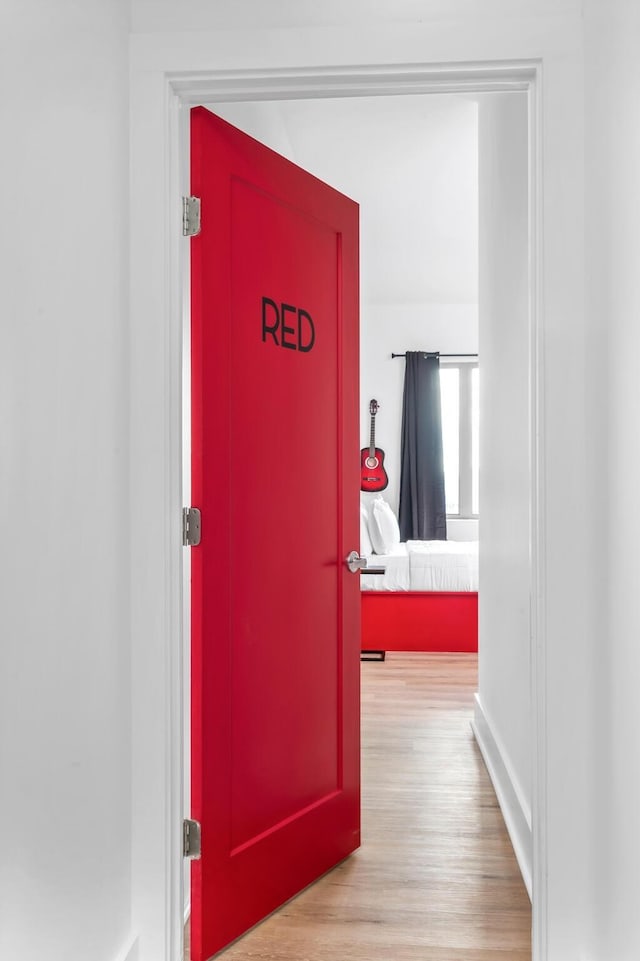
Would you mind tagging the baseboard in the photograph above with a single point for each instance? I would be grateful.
(515, 811)
(130, 950)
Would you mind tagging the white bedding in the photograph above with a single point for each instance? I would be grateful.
(396, 576)
(425, 566)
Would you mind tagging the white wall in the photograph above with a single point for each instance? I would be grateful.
(612, 403)
(504, 666)
(263, 120)
(65, 719)
(193, 15)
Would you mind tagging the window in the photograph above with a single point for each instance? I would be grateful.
(450, 408)
(460, 402)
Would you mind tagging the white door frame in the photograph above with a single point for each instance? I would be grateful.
(159, 297)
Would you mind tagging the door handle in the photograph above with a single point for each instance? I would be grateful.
(355, 563)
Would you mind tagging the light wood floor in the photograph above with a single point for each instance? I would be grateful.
(435, 878)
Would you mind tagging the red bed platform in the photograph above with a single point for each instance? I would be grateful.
(412, 621)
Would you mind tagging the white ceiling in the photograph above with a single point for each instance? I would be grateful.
(411, 162)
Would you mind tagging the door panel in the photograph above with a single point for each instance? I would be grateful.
(275, 612)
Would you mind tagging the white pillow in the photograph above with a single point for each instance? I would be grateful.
(383, 527)
(366, 546)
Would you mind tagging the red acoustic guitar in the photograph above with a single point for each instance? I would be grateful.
(373, 476)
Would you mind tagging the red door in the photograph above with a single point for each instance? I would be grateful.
(275, 625)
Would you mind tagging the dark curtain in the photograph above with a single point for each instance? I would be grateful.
(422, 514)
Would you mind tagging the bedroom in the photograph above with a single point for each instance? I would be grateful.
(400, 314)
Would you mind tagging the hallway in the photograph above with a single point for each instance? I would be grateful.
(436, 878)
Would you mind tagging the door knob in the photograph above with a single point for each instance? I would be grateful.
(355, 563)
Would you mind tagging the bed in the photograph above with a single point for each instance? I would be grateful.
(426, 599)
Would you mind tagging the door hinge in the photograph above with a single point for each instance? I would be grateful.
(191, 839)
(190, 216)
(191, 526)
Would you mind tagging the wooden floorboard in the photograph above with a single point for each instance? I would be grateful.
(436, 878)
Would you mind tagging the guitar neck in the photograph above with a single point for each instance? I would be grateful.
(372, 436)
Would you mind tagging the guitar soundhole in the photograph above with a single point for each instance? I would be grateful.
(371, 462)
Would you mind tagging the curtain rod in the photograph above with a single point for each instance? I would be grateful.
(435, 353)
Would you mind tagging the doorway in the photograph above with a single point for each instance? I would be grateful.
(261, 120)
(185, 91)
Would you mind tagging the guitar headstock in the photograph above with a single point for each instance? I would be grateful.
(373, 407)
